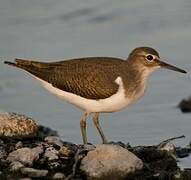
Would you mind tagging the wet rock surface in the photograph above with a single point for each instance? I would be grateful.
(46, 156)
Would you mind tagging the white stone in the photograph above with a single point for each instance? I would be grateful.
(110, 162)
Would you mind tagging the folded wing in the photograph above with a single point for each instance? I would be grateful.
(92, 78)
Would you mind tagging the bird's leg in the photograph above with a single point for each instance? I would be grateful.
(98, 127)
(83, 127)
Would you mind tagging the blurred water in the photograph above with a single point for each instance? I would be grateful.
(51, 30)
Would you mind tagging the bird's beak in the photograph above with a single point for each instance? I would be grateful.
(171, 67)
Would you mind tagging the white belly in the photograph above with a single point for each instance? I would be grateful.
(113, 103)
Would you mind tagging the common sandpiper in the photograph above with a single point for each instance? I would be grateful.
(97, 84)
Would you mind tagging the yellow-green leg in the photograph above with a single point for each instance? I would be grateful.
(83, 127)
(98, 127)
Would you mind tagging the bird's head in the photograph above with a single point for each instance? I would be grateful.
(148, 59)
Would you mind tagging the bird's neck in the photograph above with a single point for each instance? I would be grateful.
(137, 77)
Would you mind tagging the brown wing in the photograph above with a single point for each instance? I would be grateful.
(91, 78)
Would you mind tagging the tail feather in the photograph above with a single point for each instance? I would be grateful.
(38, 69)
(23, 62)
(19, 63)
(10, 63)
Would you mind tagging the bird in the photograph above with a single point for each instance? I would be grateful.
(97, 84)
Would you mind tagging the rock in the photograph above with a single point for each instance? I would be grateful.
(46, 131)
(53, 140)
(170, 148)
(183, 152)
(37, 151)
(185, 105)
(110, 162)
(17, 125)
(51, 154)
(1, 142)
(16, 166)
(25, 155)
(89, 147)
(18, 145)
(3, 153)
(31, 172)
(59, 175)
(66, 151)
(54, 165)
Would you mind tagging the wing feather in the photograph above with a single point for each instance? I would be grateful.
(92, 78)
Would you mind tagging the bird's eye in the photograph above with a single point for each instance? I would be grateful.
(150, 57)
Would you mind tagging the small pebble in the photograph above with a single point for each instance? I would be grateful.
(31, 172)
(59, 175)
(66, 151)
(169, 147)
(89, 147)
(18, 145)
(51, 154)
(54, 165)
(16, 166)
(53, 140)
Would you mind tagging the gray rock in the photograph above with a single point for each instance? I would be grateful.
(51, 154)
(16, 166)
(17, 125)
(110, 162)
(31, 172)
(59, 175)
(25, 155)
(27, 178)
(53, 140)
